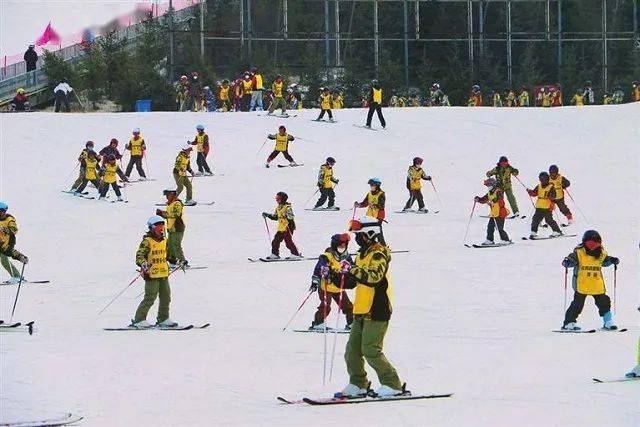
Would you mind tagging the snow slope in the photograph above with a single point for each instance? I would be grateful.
(476, 323)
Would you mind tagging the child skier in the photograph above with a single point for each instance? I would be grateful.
(325, 104)
(88, 146)
(587, 261)
(175, 228)
(151, 257)
(545, 193)
(374, 201)
(497, 211)
(372, 311)
(8, 231)
(223, 96)
(415, 175)
(282, 139)
(326, 182)
(503, 172)
(335, 259)
(286, 226)
(559, 184)
(180, 169)
(91, 168)
(138, 148)
(278, 96)
(202, 148)
(111, 171)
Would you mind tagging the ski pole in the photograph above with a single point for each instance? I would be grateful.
(146, 164)
(335, 332)
(436, 191)
(526, 189)
(262, 146)
(324, 356)
(66, 179)
(466, 233)
(267, 225)
(120, 293)
(576, 205)
(297, 311)
(170, 273)
(615, 285)
(13, 310)
(566, 273)
(309, 199)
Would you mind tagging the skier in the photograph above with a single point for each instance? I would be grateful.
(278, 95)
(282, 139)
(337, 100)
(546, 193)
(111, 170)
(375, 103)
(326, 182)
(247, 90)
(175, 228)
(209, 99)
(223, 96)
(415, 175)
(88, 146)
(587, 261)
(556, 95)
(8, 231)
(90, 166)
(112, 148)
(497, 211)
(138, 149)
(202, 147)
(286, 226)
(182, 93)
(61, 92)
(372, 311)
(20, 102)
(374, 201)
(258, 87)
(496, 99)
(151, 257)
(180, 169)
(475, 97)
(502, 173)
(580, 98)
(559, 184)
(511, 99)
(195, 93)
(635, 372)
(523, 97)
(335, 259)
(325, 104)
(607, 99)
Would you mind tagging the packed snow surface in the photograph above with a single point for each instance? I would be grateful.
(473, 322)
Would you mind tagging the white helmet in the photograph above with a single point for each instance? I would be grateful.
(136, 130)
(155, 219)
(367, 225)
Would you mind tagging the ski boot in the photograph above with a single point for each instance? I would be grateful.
(273, 257)
(571, 326)
(351, 392)
(607, 319)
(167, 323)
(487, 243)
(386, 391)
(634, 373)
(556, 234)
(143, 324)
(317, 326)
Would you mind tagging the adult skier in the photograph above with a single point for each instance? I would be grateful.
(587, 261)
(201, 142)
(560, 183)
(61, 92)
(286, 226)
(151, 257)
(325, 104)
(138, 149)
(502, 173)
(326, 183)
(111, 171)
(415, 175)
(180, 169)
(374, 201)
(278, 94)
(372, 310)
(497, 211)
(90, 165)
(545, 192)
(175, 227)
(335, 259)
(375, 103)
(282, 139)
(8, 231)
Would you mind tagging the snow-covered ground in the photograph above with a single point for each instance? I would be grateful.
(476, 323)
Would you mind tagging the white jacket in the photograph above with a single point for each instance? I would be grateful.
(63, 87)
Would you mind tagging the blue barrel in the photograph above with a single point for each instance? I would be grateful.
(143, 105)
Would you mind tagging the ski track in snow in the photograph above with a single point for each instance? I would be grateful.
(475, 323)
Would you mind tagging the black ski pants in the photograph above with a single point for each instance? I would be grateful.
(562, 206)
(135, 160)
(499, 224)
(603, 302)
(201, 161)
(413, 196)
(84, 183)
(326, 193)
(545, 214)
(275, 153)
(62, 101)
(105, 188)
(378, 109)
(322, 114)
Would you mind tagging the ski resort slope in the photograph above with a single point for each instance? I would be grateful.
(473, 322)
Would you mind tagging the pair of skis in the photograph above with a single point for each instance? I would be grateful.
(418, 212)
(49, 422)
(160, 328)
(509, 217)
(369, 128)
(548, 237)
(615, 380)
(196, 204)
(277, 259)
(321, 209)
(18, 326)
(587, 331)
(493, 245)
(33, 282)
(341, 400)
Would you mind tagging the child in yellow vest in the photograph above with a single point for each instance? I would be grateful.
(286, 226)
(278, 96)
(587, 261)
(497, 211)
(326, 182)
(137, 147)
(110, 173)
(282, 139)
(223, 96)
(201, 142)
(636, 91)
(325, 104)
(151, 257)
(335, 259)
(91, 168)
(181, 167)
(560, 184)
(89, 146)
(415, 175)
(546, 193)
(8, 231)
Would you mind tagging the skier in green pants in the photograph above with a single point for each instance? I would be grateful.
(151, 257)
(503, 172)
(175, 228)
(369, 275)
(8, 231)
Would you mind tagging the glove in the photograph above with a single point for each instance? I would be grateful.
(428, 178)
(336, 181)
(159, 212)
(23, 259)
(476, 199)
(315, 282)
(566, 263)
(614, 260)
(319, 185)
(335, 277)
(356, 204)
(265, 215)
(144, 267)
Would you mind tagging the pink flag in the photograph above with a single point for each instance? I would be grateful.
(49, 36)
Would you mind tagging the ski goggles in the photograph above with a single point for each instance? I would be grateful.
(592, 244)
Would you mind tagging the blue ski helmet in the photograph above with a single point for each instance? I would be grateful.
(200, 127)
(3, 206)
(375, 181)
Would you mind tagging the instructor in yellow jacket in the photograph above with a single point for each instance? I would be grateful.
(375, 103)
